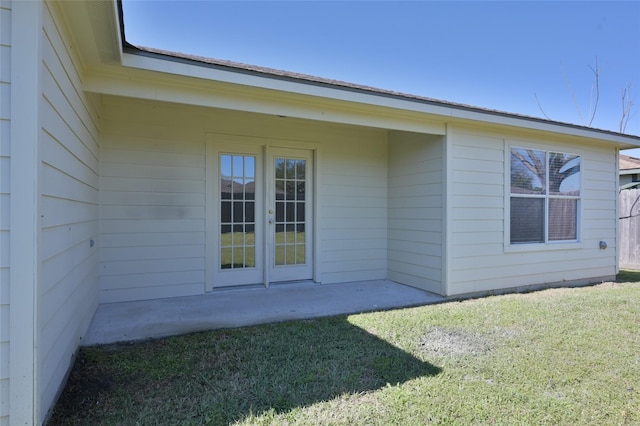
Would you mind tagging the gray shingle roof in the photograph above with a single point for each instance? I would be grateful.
(629, 163)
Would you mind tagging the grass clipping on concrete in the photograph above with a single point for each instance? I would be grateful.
(560, 356)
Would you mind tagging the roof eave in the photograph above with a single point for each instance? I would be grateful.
(629, 171)
(152, 60)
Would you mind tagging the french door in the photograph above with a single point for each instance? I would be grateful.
(262, 215)
(289, 215)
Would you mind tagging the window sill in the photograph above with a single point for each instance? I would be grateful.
(520, 248)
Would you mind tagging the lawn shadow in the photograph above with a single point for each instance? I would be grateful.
(223, 376)
(628, 275)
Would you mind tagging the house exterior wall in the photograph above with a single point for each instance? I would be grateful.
(625, 179)
(5, 203)
(67, 297)
(48, 207)
(152, 195)
(480, 258)
(416, 193)
(352, 174)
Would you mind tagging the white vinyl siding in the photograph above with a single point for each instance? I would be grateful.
(353, 207)
(5, 200)
(480, 259)
(416, 210)
(152, 197)
(152, 204)
(69, 211)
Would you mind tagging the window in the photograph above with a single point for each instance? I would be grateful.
(545, 196)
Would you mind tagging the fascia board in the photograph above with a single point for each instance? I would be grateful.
(629, 171)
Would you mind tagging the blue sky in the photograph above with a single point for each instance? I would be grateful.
(496, 55)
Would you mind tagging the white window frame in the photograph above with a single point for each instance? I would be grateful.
(546, 244)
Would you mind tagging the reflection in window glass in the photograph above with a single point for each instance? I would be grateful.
(237, 217)
(528, 171)
(564, 174)
(279, 168)
(290, 189)
(540, 212)
(250, 167)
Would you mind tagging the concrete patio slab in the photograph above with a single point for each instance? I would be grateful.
(117, 322)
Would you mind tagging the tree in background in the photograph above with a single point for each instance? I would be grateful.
(594, 97)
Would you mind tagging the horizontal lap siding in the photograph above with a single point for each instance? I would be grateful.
(153, 213)
(152, 202)
(5, 200)
(69, 210)
(415, 210)
(353, 207)
(479, 259)
(152, 197)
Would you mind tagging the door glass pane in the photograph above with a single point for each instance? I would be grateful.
(250, 167)
(279, 168)
(227, 258)
(250, 257)
(300, 253)
(280, 260)
(291, 216)
(290, 189)
(225, 211)
(279, 189)
(291, 169)
(237, 217)
(300, 169)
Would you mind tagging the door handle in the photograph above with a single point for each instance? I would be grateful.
(271, 220)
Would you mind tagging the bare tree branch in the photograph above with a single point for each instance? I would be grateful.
(594, 99)
(596, 72)
(540, 106)
(627, 104)
(528, 164)
(631, 208)
(573, 95)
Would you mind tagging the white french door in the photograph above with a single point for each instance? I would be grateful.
(261, 202)
(289, 215)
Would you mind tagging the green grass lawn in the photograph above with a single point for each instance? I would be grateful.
(559, 356)
(238, 249)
